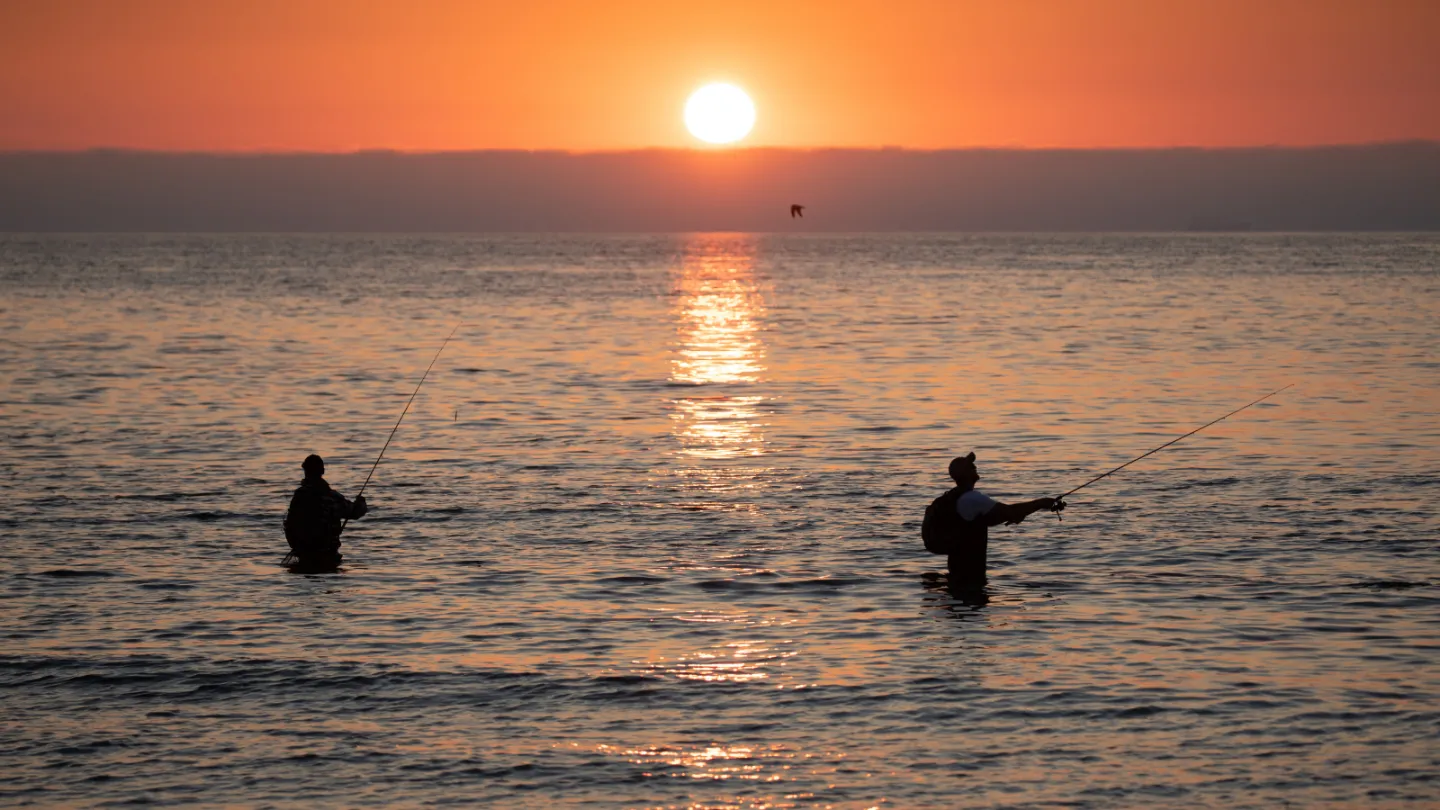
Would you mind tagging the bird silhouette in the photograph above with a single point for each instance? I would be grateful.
(797, 211)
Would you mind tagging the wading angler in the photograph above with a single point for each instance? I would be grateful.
(316, 517)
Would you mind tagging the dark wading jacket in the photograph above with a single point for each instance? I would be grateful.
(964, 542)
(312, 526)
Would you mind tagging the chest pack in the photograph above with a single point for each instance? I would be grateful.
(943, 530)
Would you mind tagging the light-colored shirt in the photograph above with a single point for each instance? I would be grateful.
(973, 504)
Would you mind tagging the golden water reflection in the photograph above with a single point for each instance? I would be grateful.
(710, 762)
(742, 661)
(718, 310)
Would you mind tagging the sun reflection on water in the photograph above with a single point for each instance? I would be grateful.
(719, 311)
(767, 763)
(743, 661)
(710, 762)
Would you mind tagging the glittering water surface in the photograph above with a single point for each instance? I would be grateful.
(649, 536)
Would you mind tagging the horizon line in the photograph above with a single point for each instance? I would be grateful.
(709, 150)
(1198, 233)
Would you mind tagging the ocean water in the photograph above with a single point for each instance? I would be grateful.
(649, 536)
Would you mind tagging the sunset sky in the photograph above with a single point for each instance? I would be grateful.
(341, 75)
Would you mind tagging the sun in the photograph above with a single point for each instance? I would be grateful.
(719, 113)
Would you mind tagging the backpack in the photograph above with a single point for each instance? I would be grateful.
(942, 526)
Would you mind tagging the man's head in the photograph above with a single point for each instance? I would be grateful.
(313, 465)
(962, 469)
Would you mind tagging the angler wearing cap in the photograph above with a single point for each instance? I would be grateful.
(958, 523)
(317, 516)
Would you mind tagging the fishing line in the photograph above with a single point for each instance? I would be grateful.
(1061, 498)
(393, 430)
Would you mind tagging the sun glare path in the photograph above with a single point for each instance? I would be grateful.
(719, 318)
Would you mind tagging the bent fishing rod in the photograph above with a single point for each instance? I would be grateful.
(1060, 500)
(413, 394)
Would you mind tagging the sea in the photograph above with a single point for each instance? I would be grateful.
(649, 534)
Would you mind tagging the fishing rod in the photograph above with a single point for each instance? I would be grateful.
(413, 394)
(1059, 501)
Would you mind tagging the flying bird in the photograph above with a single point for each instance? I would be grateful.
(797, 211)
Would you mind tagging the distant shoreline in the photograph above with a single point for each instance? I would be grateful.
(1384, 187)
(718, 150)
(500, 235)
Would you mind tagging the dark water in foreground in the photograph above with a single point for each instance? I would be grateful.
(650, 536)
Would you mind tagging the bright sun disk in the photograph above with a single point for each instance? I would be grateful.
(719, 113)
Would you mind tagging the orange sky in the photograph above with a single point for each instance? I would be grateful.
(339, 75)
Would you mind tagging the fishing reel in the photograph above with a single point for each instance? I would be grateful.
(1057, 508)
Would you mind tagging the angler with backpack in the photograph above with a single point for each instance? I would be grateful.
(957, 523)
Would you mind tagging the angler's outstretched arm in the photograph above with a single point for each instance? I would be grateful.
(1016, 512)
